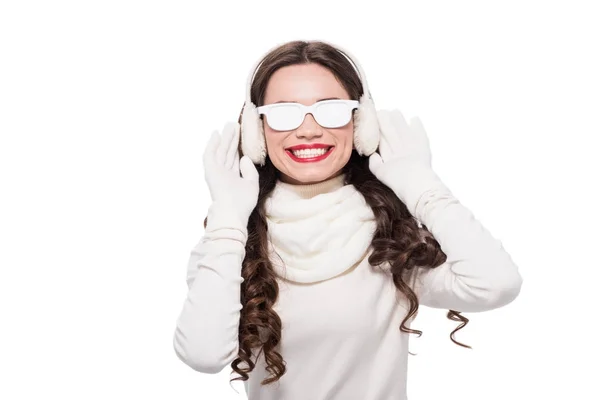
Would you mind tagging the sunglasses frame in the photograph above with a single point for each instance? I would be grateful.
(264, 110)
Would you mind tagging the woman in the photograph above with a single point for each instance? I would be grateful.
(314, 261)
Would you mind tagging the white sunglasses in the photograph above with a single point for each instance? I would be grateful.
(327, 113)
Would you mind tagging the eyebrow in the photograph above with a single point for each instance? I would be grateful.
(286, 101)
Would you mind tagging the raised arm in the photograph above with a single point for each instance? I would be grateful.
(206, 335)
(478, 274)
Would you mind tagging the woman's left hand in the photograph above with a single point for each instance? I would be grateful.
(403, 159)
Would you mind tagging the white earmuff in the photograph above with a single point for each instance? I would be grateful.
(366, 125)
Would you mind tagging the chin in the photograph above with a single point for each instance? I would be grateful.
(307, 177)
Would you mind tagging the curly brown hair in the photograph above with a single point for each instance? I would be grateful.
(398, 239)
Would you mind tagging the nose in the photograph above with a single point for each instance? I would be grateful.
(309, 128)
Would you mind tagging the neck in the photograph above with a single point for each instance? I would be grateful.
(309, 190)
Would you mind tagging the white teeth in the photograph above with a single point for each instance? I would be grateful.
(309, 153)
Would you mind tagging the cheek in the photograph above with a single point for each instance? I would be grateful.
(274, 143)
(348, 137)
(270, 137)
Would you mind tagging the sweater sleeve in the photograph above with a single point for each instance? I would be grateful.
(206, 333)
(478, 275)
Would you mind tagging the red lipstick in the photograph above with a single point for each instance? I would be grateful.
(309, 159)
(309, 146)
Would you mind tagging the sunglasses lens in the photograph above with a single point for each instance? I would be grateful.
(284, 117)
(333, 115)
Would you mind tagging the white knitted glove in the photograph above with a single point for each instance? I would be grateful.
(234, 196)
(403, 160)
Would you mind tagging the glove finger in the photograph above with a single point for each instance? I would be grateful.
(374, 162)
(211, 146)
(385, 149)
(389, 142)
(421, 138)
(403, 135)
(226, 137)
(416, 125)
(232, 151)
(384, 127)
(248, 169)
(399, 120)
(236, 164)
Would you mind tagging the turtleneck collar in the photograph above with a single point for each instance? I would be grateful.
(308, 191)
(317, 231)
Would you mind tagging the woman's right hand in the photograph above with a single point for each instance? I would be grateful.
(235, 192)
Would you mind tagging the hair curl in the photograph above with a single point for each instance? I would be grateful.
(398, 238)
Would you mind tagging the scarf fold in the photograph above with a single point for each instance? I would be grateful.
(317, 231)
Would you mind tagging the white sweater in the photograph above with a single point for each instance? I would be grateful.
(341, 319)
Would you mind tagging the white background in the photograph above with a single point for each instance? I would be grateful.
(105, 108)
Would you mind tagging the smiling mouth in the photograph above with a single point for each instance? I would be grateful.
(310, 155)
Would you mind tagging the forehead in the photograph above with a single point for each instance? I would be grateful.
(303, 83)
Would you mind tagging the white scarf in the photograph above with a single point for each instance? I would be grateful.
(319, 230)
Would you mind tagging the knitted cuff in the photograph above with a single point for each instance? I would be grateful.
(415, 183)
(223, 222)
